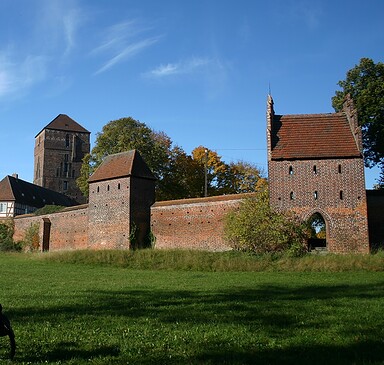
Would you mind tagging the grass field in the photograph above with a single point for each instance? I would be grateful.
(83, 312)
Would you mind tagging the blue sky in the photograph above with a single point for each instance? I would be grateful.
(199, 70)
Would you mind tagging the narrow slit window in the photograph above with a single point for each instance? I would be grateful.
(341, 195)
(107, 187)
(290, 170)
(118, 186)
(314, 169)
(315, 195)
(292, 195)
(339, 169)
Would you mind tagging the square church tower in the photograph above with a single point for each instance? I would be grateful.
(59, 150)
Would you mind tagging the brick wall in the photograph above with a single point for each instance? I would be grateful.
(109, 213)
(192, 223)
(68, 228)
(332, 187)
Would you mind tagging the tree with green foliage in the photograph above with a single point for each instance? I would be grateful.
(178, 174)
(256, 227)
(123, 135)
(365, 84)
(183, 177)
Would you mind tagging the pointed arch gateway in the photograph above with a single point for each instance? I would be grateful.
(319, 229)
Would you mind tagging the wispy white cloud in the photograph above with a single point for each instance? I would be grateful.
(122, 41)
(212, 73)
(17, 76)
(186, 67)
(28, 58)
(57, 24)
(309, 13)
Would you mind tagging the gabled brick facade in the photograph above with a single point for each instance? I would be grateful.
(315, 165)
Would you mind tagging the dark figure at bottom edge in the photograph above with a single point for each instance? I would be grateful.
(6, 330)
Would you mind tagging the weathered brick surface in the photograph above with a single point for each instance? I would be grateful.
(117, 208)
(333, 188)
(69, 228)
(109, 213)
(57, 163)
(192, 223)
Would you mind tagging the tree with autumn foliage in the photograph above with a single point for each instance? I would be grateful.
(233, 178)
(178, 174)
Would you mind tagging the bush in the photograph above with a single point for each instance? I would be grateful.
(256, 228)
(48, 209)
(31, 239)
(6, 238)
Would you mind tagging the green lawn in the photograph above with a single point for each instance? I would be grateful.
(92, 314)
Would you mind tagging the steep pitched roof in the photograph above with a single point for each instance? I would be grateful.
(309, 136)
(122, 164)
(64, 123)
(23, 192)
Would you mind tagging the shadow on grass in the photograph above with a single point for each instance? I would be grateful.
(67, 351)
(274, 319)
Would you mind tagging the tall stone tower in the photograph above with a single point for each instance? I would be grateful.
(59, 150)
(316, 167)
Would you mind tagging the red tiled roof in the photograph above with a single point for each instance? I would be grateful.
(6, 193)
(312, 136)
(122, 164)
(64, 123)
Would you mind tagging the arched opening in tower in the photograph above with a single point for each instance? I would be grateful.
(318, 230)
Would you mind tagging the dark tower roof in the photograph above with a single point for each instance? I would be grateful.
(122, 164)
(23, 192)
(64, 123)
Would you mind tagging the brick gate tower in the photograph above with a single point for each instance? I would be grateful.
(59, 150)
(316, 167)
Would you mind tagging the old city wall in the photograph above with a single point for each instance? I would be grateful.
(187, 224)
(68, 229)
(193, 223)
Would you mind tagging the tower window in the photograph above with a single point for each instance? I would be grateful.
(339, 169)
(118, 186)
(341, 195)
(65, 185)
(315, 195)
(290, 170)
(291, 195)
(108, 188)
(67, 140)
(314, 169)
